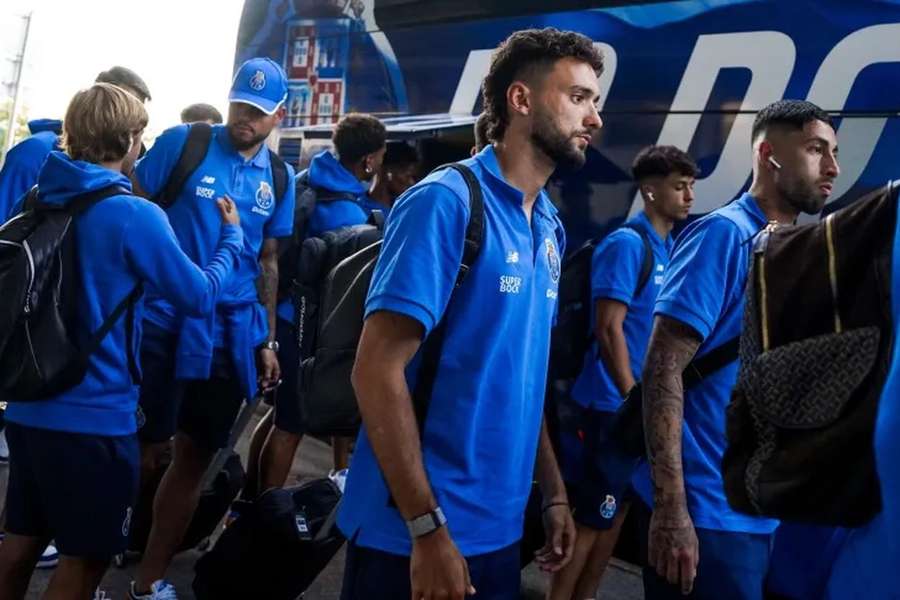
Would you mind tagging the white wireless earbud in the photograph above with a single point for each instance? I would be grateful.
(650, 196)
(774, 162)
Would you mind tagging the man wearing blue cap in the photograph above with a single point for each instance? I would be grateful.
(196, 372)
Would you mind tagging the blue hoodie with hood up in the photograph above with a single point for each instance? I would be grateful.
(327, 173)
(23, 163)
(121, 241)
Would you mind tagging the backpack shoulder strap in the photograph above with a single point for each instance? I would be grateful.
(279, 175)
(433, 345)
(647, 264)
(717, 358)
(475, 227)
(31, 199)
(192, 154)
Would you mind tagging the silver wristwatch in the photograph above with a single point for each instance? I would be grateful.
(273, 346)
(425, 524)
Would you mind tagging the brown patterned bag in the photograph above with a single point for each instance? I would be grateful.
(815, 348)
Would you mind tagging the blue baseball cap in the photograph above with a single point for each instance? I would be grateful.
(260, 82)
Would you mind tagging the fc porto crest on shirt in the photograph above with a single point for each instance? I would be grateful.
(552, 260)
(608, 508)
(258, 80)
(264, 196)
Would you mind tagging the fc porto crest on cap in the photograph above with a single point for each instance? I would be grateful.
(552, 260)
(264, 195)
(258, 80)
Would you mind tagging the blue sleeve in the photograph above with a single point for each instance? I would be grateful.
(421, 254)
(281, 224)
(20, 173)
(153, 251)
(701, 275)
(153, 170)
(616, 266)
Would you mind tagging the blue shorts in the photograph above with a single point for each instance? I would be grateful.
(732, 565)
(287, 405)
(597, 474)
(375, 575)
(76, 488)
(205, 410)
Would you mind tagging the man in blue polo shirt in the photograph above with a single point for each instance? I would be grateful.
(197, 371)
(624, 292)
(25, 159)
(438, 513)
(696, 543)
(340, 181)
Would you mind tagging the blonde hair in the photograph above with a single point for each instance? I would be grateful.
(101, 123)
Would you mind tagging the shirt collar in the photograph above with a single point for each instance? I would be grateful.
(259, 160)
(749, 205)
(643, 221)
(488, 160)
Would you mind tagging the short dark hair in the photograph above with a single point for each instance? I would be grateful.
(481, 136)
(356, 135)
(122, 76)
(793, 114)
(661, 161)
(528, 53)
(400, 154)
(201, 112)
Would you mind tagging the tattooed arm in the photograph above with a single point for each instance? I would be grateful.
(267, 287)
(672, 545)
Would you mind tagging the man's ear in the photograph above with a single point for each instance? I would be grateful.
(518, 97)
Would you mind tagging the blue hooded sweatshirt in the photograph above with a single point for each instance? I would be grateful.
(23, 163)
(327, 173)
(121, 241)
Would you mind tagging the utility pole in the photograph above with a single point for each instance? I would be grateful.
(19, 65)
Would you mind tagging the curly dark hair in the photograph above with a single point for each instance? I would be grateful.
(792, 114)
(526, 54)
(356, 135)
(661, 161)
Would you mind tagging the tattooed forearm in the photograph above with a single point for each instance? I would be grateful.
(267, 284)
(671, 348)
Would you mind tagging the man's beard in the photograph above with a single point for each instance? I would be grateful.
(555, 144)
(802, 197)
(241, 145)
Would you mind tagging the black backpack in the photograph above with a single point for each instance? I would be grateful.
(42, 351)
(291, 260)
(194, 151)
(815, 351)
(327, 401)
(572, 335)
(276, 547)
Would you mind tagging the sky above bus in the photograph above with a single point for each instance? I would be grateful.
(183, 49)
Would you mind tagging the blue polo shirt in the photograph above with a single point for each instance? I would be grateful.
(481, 432)
(615, 272)
(704, 288)
(868, 565)
(195, 219)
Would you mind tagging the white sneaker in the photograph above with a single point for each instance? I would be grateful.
(49, 557)
(4, 449)
(339, 478)
(160, 590)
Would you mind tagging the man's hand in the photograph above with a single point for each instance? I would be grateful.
(228, 212)
(559, 531)
(269, 371)
(673, 549)
(437, 570)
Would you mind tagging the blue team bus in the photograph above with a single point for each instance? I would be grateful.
(689, 73)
